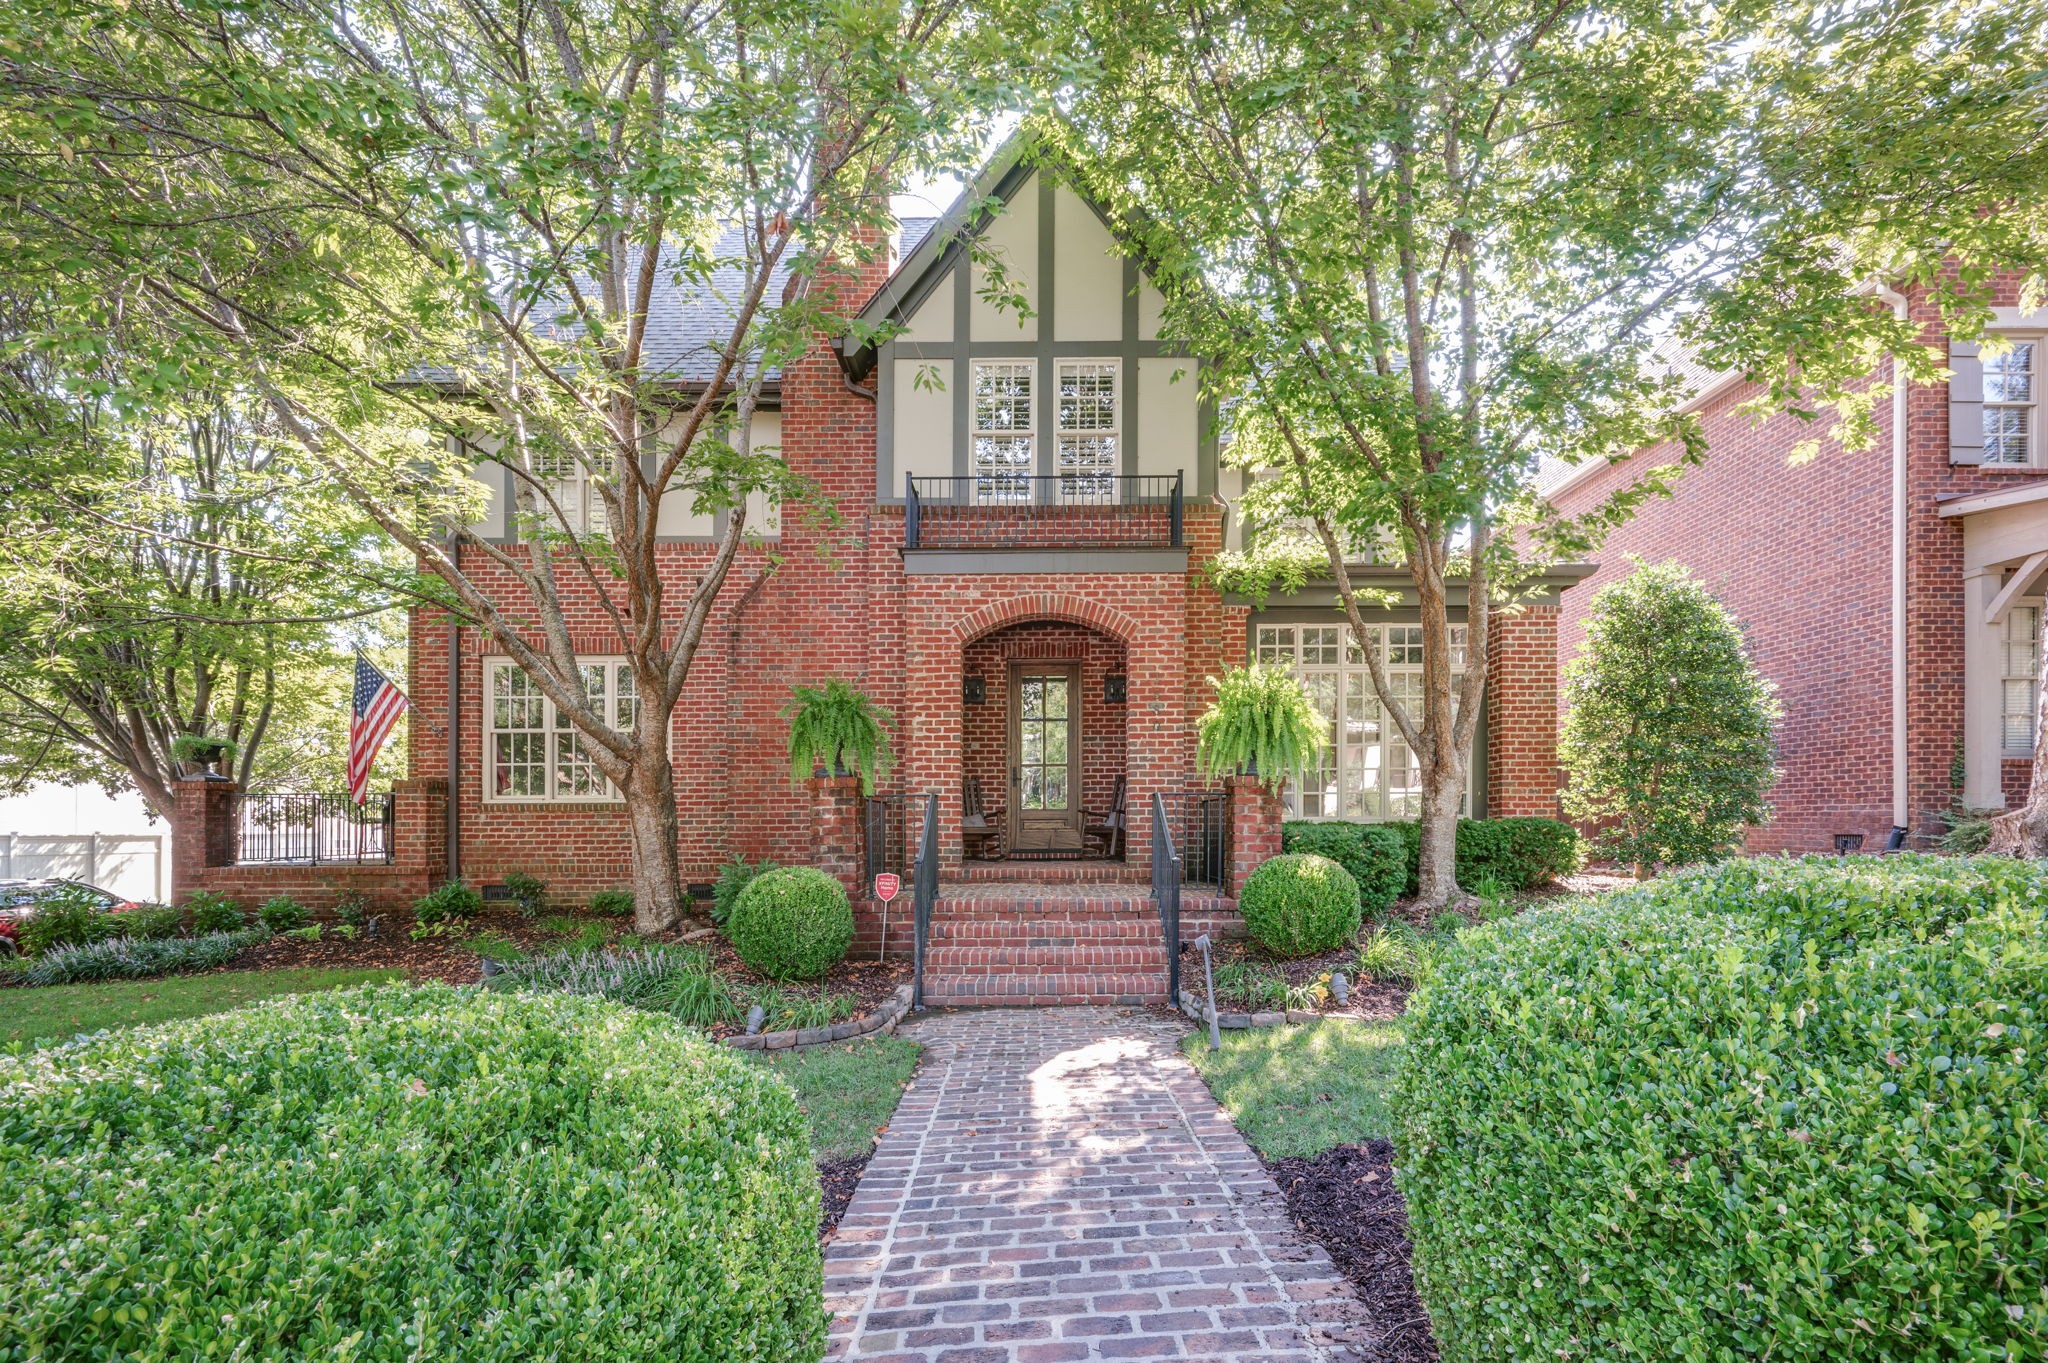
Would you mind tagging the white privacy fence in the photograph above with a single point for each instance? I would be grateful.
(129, 864)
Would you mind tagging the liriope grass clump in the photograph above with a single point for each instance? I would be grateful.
(402, 1173)
(123, 958)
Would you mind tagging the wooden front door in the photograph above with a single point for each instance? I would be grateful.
(1045, 757)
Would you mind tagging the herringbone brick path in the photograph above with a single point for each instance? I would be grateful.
(1057, 1186)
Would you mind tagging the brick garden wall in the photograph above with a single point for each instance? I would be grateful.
(1802, 555)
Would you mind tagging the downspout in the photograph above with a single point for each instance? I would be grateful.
(1902, 816)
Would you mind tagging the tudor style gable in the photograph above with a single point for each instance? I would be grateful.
(1047, 366)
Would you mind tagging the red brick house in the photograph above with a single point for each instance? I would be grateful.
(1894, 594)
(1027, 503)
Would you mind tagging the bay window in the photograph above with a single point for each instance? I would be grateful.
(532, 752)
(1363, 771)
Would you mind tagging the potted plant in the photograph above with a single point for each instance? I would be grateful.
(1261, 723)
(203, 752)
(836, 728)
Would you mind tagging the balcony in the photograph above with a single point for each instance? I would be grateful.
(1057, 512)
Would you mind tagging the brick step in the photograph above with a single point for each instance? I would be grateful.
(1001, 872)
(1022, 991)
(1044, 960)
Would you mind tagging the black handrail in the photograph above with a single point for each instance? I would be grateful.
(311, 830)
(924, 893)
(1166, 893)
(1031, 493)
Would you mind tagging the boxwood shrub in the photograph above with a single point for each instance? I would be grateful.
(1515, 853)
(400, 1173)
(791, 923)
(1297, 904)
(1373, 853)
(1783, 1109)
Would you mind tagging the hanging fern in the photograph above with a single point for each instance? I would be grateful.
(836, 727)
(1261, 720)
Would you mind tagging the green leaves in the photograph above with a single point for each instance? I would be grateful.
(1668, 745)
(1748, 1110)
(837, 729)
(396, 1173)
(1261, 722)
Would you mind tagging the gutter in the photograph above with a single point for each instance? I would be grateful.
(1902, 816)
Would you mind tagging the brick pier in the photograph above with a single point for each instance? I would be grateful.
(1058, 1185)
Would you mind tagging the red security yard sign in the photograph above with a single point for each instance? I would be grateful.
(887, 886)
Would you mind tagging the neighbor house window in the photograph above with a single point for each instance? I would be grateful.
(532, 751)
(2021, 676)
(2010, 403)
(1087, 452)
(1363, 770)
(1004, 458)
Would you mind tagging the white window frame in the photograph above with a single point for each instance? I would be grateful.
(2031, 345)
(573, 492)
(1097, 484)
(2018, 675)
(1354, 764)
(1027, 433)
(551, 734)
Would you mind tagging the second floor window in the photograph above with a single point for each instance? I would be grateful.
(532, 752)
(1088, 418)
(2009, 405)
(1003, 455)
(570, 484)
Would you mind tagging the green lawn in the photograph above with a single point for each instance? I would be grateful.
(60, 1011)
(848, 1090)
(1300, 1090)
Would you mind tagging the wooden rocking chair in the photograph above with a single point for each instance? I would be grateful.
(1106, 827)
(981, 830)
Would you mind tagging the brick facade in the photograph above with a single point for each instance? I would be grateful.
(1801, 554)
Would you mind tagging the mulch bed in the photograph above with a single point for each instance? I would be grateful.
(1345, 1200)
(836, 1180)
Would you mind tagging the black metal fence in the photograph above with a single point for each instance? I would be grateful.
(1135, 509)
(311, 830)
(886, 844)
(1200, 823)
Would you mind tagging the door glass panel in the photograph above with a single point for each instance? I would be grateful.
(1042, 742)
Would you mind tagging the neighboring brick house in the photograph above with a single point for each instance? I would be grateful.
(1026, 504)
(1893, 594)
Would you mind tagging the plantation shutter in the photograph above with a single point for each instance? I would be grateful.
(1965, 404)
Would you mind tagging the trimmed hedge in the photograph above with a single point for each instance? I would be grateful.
(1373, 854)
(1297, 904)
(399, 1173)
(791, 923)
(1515, 854)
(1785, 1109)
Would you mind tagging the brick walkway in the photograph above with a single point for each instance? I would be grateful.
(1057, 1186)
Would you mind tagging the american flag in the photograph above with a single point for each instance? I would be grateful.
(376, 707)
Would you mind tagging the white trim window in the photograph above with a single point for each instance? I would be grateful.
(1364, 771)
(2011, 405)
(2019, 678)
(532, 753)
(1004, 453)
(574, 491)
(1087, 453)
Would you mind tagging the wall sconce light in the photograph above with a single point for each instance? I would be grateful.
(974, 690)
(1114, 688)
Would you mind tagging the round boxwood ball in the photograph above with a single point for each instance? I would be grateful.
(791, 923)
(1300, 903)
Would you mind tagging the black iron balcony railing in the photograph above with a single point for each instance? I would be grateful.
(311, 829)
(1061, 510)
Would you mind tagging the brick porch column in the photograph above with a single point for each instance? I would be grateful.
(202, 832)
(835, 830)
(1254, 827)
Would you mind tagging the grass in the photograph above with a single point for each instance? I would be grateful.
(848, 1090)
(61, 1011)
(1300, 1090)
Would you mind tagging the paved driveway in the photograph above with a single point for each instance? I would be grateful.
(1058, 1185)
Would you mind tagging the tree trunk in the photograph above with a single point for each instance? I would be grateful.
(1436, 872)
(2023, 832)
(651, 818)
